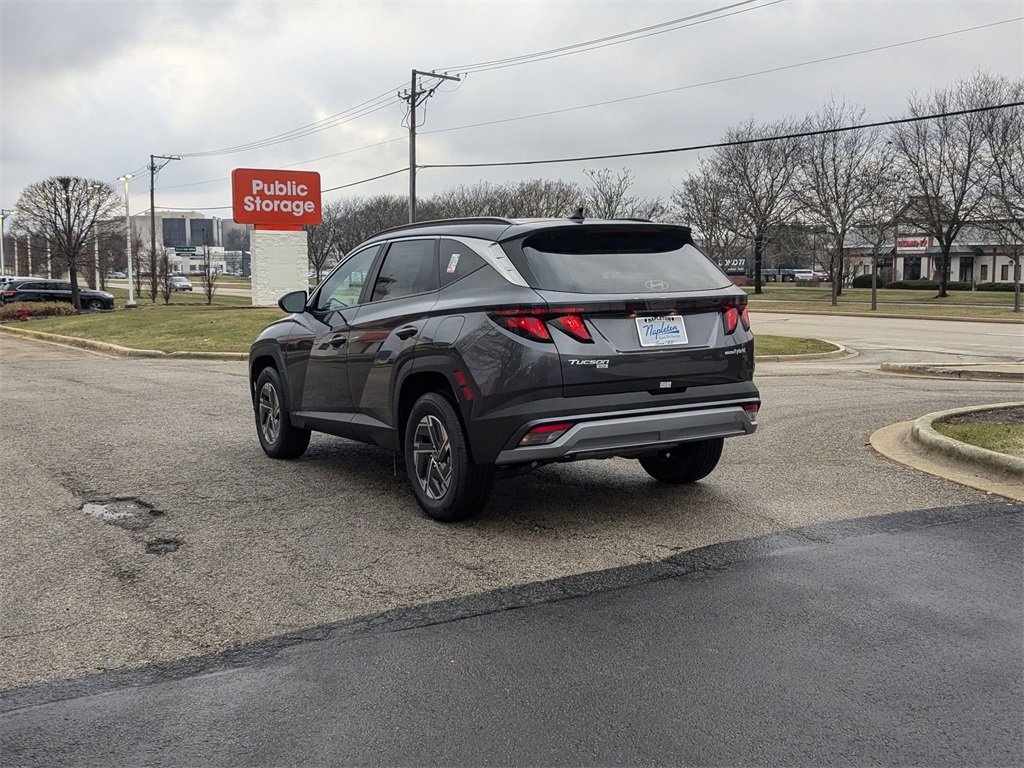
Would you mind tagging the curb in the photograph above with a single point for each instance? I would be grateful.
(114, 349)
(949, 372)
(924, 434)
(841, 351)
(886, 315)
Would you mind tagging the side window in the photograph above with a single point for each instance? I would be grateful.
(343, 287)
(456, 260)
(409, 267)
(60, 286)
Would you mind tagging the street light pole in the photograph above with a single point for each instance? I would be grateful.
(128, 242)
(4, 213)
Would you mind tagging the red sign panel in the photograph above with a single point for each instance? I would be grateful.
(275, 199)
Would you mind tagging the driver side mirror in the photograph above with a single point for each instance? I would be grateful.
(294, 303)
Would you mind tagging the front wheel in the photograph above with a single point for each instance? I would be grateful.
(448, 485)
(686, 463)
(94, 304)
(278, 436)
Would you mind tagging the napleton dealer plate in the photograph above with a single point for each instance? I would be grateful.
(665, 331)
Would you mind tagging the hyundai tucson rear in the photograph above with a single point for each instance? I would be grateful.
(486, 347)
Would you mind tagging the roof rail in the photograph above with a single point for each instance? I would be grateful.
(439, 222)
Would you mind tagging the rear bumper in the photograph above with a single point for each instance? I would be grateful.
(598, 437)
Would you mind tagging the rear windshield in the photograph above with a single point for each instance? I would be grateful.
(625, 261)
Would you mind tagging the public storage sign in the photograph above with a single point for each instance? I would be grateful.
(273, 199)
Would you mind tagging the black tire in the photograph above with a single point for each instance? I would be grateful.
(447, 484)
(94, 304)
(686, 463)
(278, 436)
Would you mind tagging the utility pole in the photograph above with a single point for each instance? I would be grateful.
(415, 97)
(152, 217)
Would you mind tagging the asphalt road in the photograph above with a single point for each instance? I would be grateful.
(223, 548)
(838, 644)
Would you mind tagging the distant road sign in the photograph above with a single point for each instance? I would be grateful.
(185, 249)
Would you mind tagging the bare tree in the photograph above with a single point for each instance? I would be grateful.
(757, 170)
(208, 276)
(834, 182)
(363, 217)
(1005, 132)
(541, 198)
(945, 157)
(608, 197)
(323, 240)
(65, 211)
(480, 199)
(702, 203)
(163, 277)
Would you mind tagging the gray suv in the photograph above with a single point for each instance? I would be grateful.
(480, 348)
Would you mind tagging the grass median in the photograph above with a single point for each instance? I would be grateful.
(188, 325)
(959, 304)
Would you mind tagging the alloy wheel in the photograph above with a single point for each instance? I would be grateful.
(432, 457)
(270, 413)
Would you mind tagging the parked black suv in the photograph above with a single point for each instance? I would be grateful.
(41, 289)
(484, 347)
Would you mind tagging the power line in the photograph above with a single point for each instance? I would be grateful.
(382, 100)
(353, 113)
(691, 148)
(739, 142)
(604, 42)
(731, 78)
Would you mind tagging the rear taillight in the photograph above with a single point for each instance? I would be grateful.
(530, 323)
(574, 326)
(526, 326)
(545, 433)
(9, 294)
(752, 409)
(733, 316)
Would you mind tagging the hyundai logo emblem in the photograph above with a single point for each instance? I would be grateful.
(656, 285)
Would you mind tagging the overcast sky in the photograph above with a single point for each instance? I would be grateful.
(92, 88)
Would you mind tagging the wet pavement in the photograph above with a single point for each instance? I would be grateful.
(892, 640)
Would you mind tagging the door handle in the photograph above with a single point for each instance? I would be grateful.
(406, 332)
(337, 341)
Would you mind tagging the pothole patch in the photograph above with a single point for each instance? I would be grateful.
(131, 514)
(163, 546)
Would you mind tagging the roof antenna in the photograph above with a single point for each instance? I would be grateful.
(577, 215)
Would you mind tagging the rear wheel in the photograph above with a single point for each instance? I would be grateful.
(278, 436)
(686, 463)
(447, 484)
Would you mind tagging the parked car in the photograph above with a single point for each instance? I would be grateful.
(480, 348)
(5, 279)
(803, 275)
(117, 276)
(821, 277)
(180, 283)
(38, 289)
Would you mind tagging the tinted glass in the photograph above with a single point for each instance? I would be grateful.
(623, 261)
(456, 260)
(344, 285)
(409, 267)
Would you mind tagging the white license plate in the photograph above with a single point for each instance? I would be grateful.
(665, 331)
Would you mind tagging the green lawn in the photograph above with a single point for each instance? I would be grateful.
(995, 436)
(174, 328)
(961, 304)
(191, 327)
